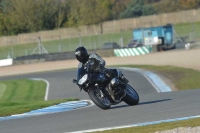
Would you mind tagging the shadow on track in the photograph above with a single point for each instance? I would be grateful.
(142, 103)
(157, 101)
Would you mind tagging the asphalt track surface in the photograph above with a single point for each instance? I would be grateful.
(153, 106)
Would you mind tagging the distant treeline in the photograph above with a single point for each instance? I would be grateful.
(25, 16)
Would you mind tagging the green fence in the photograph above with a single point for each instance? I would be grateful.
(132, 51)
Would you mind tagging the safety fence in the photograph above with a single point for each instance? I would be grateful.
(70, 55)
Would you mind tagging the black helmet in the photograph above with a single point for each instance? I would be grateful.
(81, 54)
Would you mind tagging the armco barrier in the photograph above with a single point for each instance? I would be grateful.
(132, 51)
(70, 55)
(57, 56)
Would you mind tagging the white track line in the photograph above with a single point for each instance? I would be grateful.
(155, 80)
(62, 107)
(47, 87)
(137, 125)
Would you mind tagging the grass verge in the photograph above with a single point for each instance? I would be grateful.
(182, 78)
(19, 96)
(157, 127)
(10, 108)
(23, 90)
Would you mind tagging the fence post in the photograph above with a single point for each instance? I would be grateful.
(122, 37)
(80, 39)
(60, 47)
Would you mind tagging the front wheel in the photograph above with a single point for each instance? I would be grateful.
(99, 99)
(132, 97)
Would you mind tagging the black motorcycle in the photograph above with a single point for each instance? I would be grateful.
(103, 91)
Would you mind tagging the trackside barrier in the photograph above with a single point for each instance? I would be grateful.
(133, 51)
(6, 62)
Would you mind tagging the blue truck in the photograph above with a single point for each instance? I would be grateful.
(162, 36)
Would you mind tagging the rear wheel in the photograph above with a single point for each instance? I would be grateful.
(99, 99)
(132, 97)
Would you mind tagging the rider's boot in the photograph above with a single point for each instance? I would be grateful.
(115, 82)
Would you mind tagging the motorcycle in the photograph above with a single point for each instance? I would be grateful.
(103, 91)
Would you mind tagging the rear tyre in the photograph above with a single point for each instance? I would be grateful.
(101, 102)
(132, 97)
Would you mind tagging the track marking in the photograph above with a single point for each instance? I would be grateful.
(47, 87)
(137, 125)
(2, 89)
(62, 107)
(155, 80)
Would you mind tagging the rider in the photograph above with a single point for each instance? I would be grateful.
(83, 57)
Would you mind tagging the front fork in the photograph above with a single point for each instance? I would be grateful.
(102, 95)
(98, 89)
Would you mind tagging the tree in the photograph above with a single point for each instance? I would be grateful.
(151, 1)
(34, 15)
(3, 25)
(133, 9)
(148, 10)
(138, 8)
(24, 16)
(189, 4)
(88, 12)
(4, 5)
(4, 19)
(103, 10)
(165, 6)
(118, 6)
(63, 10)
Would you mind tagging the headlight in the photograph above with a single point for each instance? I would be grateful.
(83, 79)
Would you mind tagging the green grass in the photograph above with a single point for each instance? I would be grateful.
(2, 89)
(19, 96)
(182, 78)
(23, 90)
(188, 31)
(10, 108)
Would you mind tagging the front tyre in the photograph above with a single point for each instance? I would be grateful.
(132, 97)
(101, 101)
